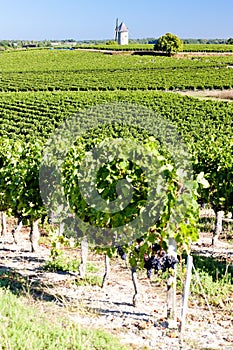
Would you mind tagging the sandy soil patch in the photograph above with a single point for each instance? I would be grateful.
(225, 95)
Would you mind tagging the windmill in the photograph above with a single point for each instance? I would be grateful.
(116, 30)
(121, 33)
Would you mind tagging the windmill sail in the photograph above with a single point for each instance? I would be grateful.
(116, 29)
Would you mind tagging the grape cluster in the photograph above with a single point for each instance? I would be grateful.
(156, 263)
(168, 261)
(151, 263)
(50, 221)
(159, 261)
(121, 252)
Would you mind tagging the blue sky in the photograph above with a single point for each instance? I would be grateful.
(90, 19)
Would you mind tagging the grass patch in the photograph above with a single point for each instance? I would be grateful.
(216, 278)
(25, 327)
(90, 280)
(217, 293)
(219, 271)
(63, 262)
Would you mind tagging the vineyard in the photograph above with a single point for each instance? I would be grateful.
(41, 90)
(85, 71)
(150, 47)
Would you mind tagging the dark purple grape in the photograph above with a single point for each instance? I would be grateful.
(121, 252)
(149, 273)
(124, 256)
(168, 261)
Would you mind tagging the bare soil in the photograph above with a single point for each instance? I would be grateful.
(226, 95)
(143, 326)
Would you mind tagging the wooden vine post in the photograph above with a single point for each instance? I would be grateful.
(107, 270)
(84, 253)
(185, 295)
(218, 227)
(34, 235)
(3, 224)
(171, 288)
(135, 284)
(61, 229)
(15, 231)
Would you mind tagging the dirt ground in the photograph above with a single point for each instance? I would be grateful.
(226, 95)
(143, 326)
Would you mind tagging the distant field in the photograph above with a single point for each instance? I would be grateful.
(116, 47)
(150, 47)
(208, 48)
(38, 89)
(65, 70)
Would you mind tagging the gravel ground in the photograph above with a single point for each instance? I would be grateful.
(225, 95)
(143, 326)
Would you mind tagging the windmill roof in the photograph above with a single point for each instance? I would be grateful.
(122, 27)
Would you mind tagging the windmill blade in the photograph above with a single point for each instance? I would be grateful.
(116, 29)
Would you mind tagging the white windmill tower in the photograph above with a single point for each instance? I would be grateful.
(121, 33)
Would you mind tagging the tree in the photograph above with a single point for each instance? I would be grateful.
(230, 41)
(169, 43)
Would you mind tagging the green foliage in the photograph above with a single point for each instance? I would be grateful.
(111, 42)
(19, 178)
(205, 126)
(169, 43)
(189, 45)
(176, 210)
(112, 45)
(91, 71)
(107, 177)
(208, 48)
(218, 168)
(61, 262)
